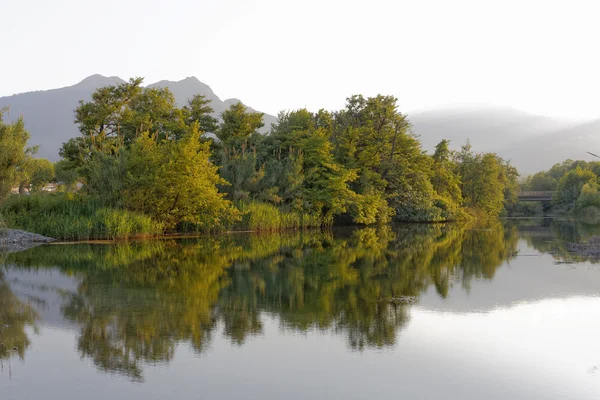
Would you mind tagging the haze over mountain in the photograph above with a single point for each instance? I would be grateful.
(49, 114)
(531, 142)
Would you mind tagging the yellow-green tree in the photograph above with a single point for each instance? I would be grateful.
(14, 153)
(174, 182)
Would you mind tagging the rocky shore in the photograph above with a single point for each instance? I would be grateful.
(17, 240)
(590, 248)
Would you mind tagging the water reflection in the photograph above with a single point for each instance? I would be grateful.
(553, 236)
(15, 315)
(134, 303)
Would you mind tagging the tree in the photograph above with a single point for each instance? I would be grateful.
(116, 115)
(540, 181)
(445, 182)
(485, 180)
(589, 196)
(199, 110)
(325, 187)
(238, 126)
(14, 153)
(569, 188)
(65, 175)
(42, 172)
(174, 182)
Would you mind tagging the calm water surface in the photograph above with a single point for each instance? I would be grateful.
(416, 312)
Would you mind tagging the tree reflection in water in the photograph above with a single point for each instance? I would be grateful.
(15, 315)
(136, 302)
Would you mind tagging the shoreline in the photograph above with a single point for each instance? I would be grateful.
(12, 240)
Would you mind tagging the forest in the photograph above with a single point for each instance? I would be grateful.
(144, 166)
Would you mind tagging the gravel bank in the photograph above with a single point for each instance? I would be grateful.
(16, 240)
(590, 248)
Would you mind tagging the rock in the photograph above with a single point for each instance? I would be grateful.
(12, 240)
(590, 248)
(403, 300)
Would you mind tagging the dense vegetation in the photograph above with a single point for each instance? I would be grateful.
(147, 166)
(576, 187)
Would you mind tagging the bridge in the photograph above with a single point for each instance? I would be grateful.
(535, 196)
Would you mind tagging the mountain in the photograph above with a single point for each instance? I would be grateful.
(531, 142)
(535, 154)
(49, 114)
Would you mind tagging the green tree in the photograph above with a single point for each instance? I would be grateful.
(325, 186)
(14, 153)
(371, 136)
(540, 181)
(569, 188)
(486, 181)
(175, 182)
(199, 110)
(589, 196)
(42, 173)
(237, 127)
(117, 115)
(446, 182)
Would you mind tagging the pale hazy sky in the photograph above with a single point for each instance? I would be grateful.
(541, 56)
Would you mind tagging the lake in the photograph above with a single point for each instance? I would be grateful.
(403, 311)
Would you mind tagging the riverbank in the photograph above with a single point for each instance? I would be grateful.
(591, 248)
(12, 240)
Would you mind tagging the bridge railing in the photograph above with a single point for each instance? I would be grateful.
(536, 194)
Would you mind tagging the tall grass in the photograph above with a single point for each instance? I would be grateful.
(73, 217)
(266, 217)
(2, 226)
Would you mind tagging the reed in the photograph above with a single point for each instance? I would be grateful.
(69, 217)
(263, 217)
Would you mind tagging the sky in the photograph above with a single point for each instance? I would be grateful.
(538, 56)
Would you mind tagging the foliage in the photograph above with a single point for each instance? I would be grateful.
(238, 126)
(488, 183)
(174, 182)
(14, 153)
(140, 152)
(75, 217)
(266, 217)
(65, 175)
(568, 180)
(589, 196)
(36, 173)
(569, 188)
(526, 209)
(117, 115)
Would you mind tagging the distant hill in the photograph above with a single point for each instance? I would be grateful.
(531, 142)
(49, 114)
(540, 153)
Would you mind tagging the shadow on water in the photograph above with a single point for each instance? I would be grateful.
(135, 303)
